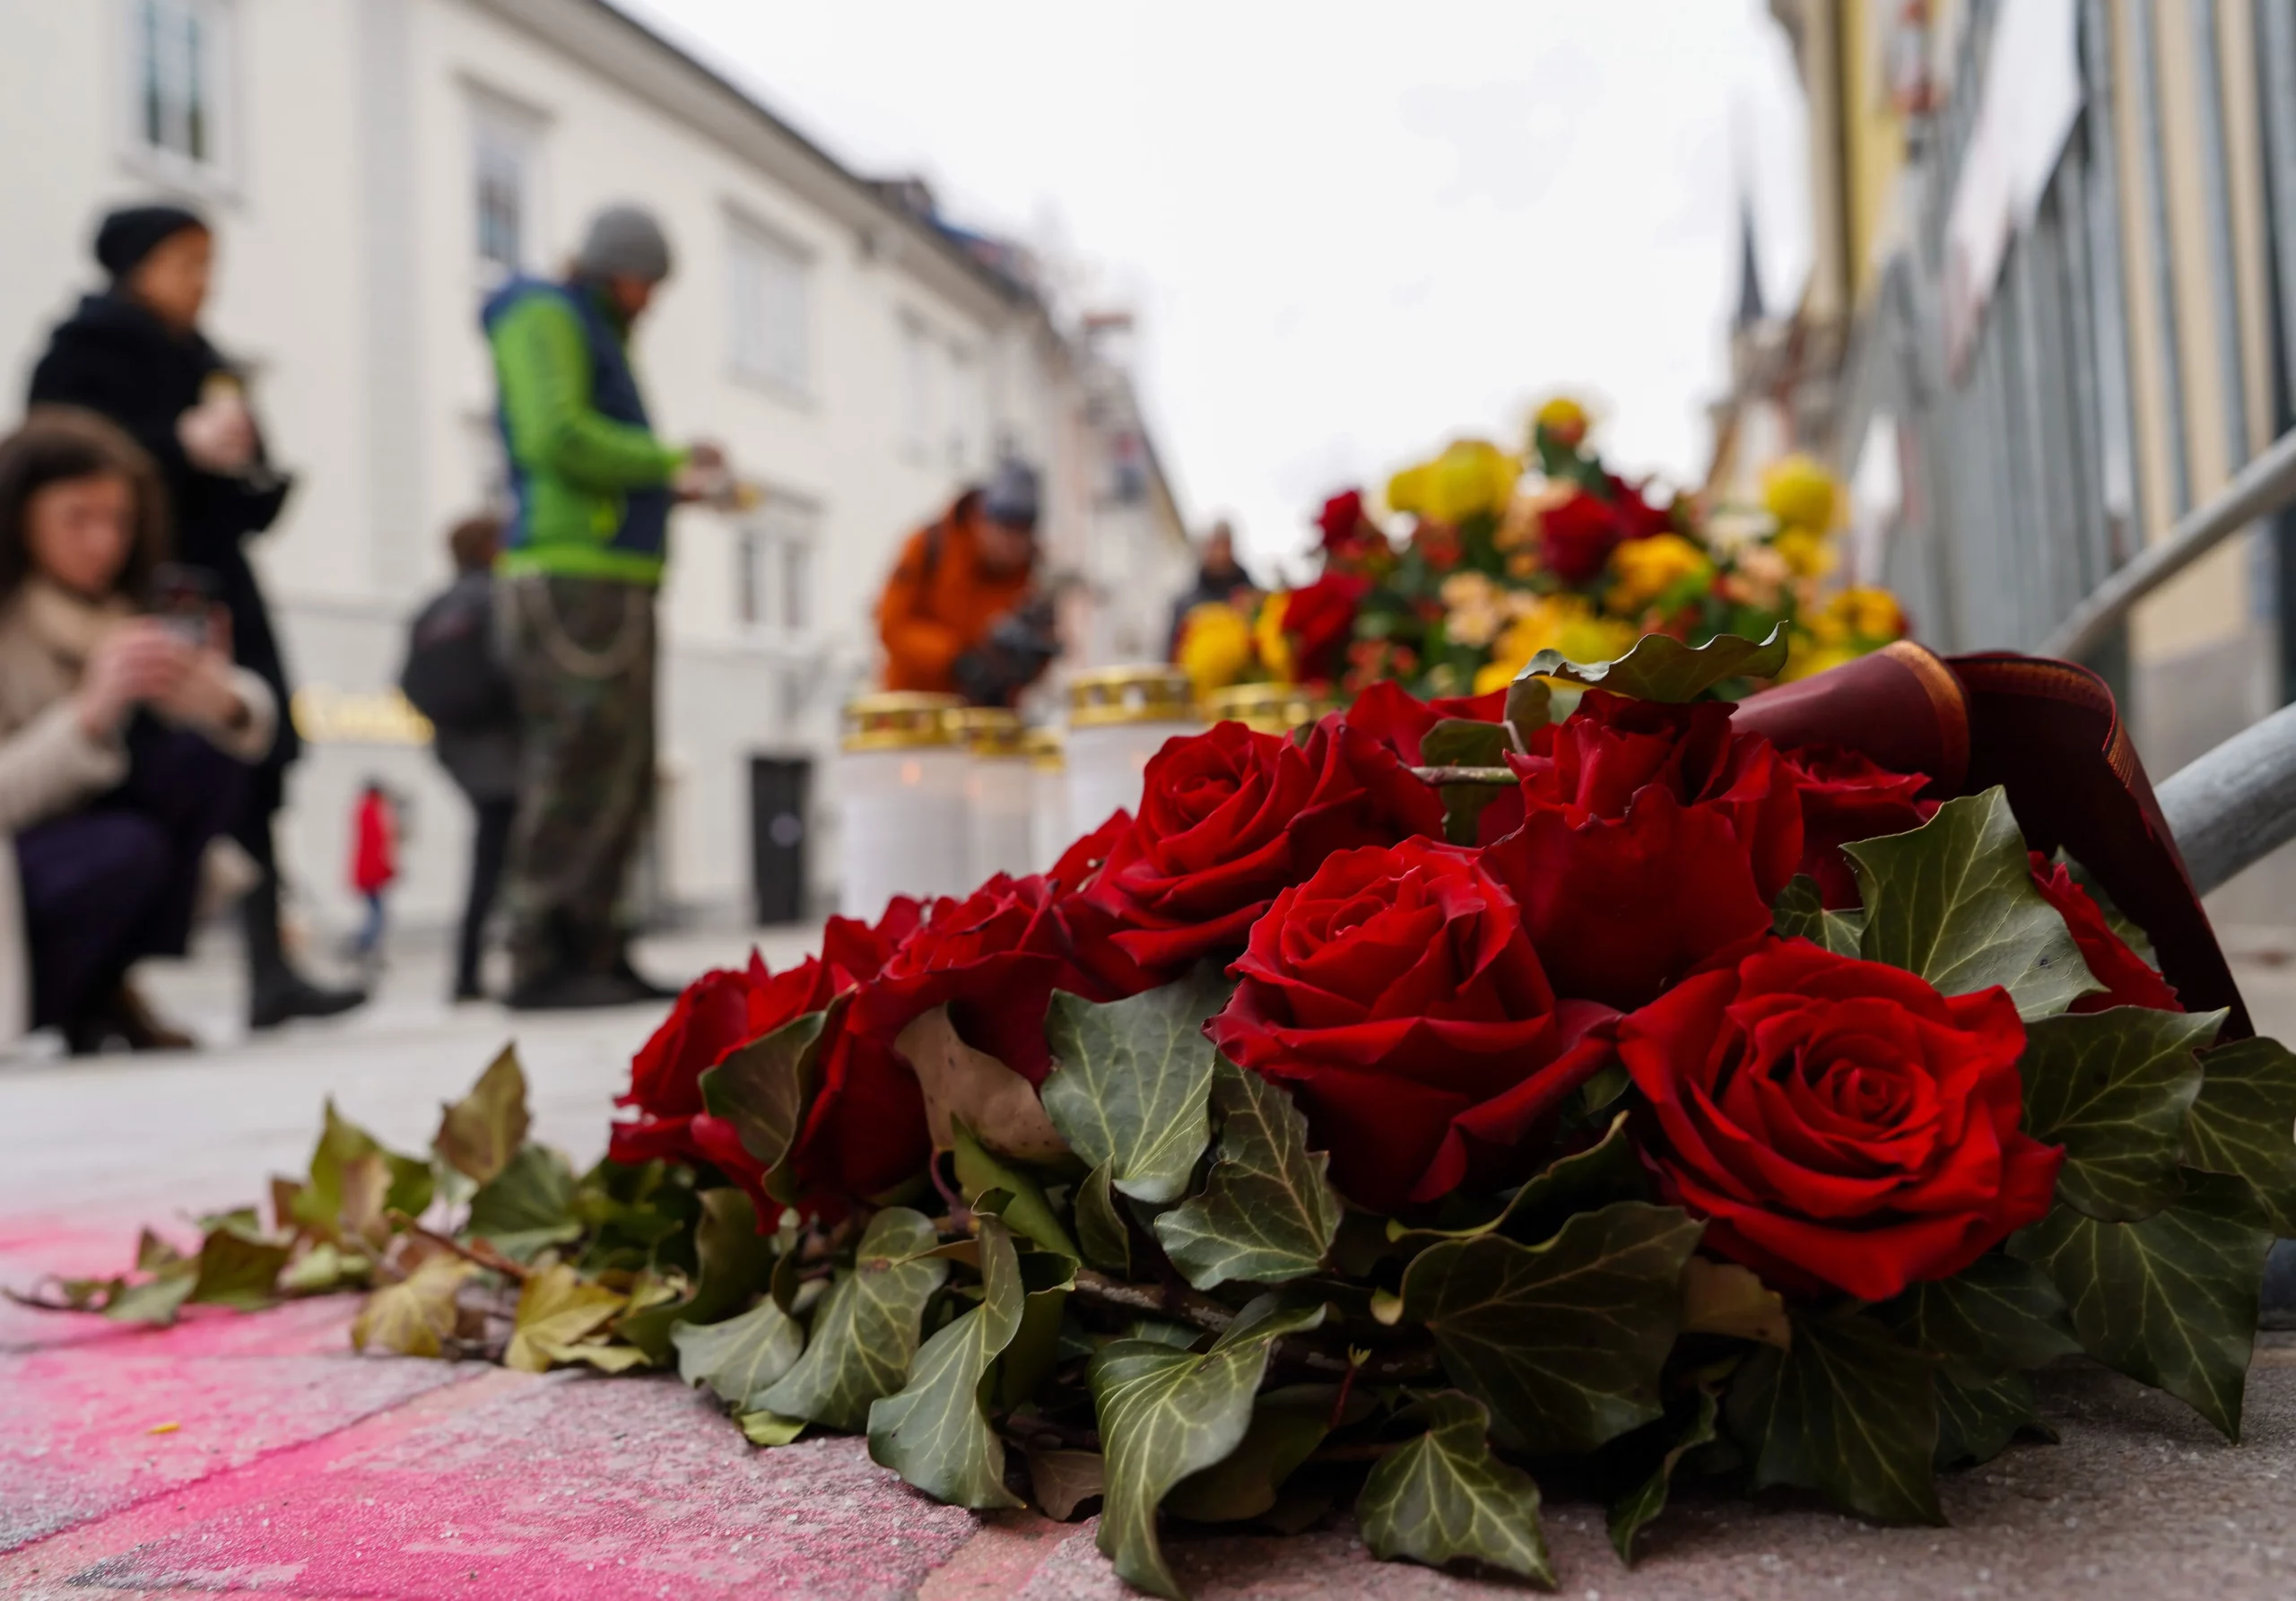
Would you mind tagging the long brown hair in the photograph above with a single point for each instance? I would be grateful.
(59, 443)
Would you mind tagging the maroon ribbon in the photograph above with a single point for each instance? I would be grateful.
(2049, 734)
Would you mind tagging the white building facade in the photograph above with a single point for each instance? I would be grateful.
(372, 168)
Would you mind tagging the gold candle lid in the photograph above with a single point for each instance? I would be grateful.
(1047, 747)
(989, 730)
(900, 720)
(1142, 694)
(1263, 708)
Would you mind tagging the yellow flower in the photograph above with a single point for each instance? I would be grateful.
(1564, 419)
(1215, 647)
(1470, 477)
(1874, 613)
(1642, 570)
(1496, 674)
(1806, 659)
(1800, 493)
(1808, 552)
(1267, 637)
(1563, 622)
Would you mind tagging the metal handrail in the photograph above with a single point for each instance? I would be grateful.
(2265, 485)
(2233, 806)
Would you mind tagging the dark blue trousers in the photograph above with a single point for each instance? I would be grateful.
(118, 879)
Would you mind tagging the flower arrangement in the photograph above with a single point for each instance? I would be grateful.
(1494, 567)
(1384, 1113)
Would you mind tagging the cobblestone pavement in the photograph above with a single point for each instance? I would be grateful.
(259, 1454)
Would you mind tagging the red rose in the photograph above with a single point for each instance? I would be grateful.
(1080, 861)
(1321, 621)
(1838, 1123)
(1399, 720)
(1340, 517)
(2128, 981)
(859, 951)
(1637, 517)
(715, 1014)
(1652, 836)
(1394, 995)
(1230, 817)
(1576, 537)
(1845, 799)
(993, 958)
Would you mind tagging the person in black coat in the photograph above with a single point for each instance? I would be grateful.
(133, 352)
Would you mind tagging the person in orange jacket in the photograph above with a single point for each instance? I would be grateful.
(962, 614)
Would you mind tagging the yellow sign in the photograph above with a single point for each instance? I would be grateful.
(324, 716)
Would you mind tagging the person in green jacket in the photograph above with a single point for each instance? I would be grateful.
(581, 561)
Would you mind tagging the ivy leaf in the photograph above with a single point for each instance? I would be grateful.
(557, 1309)
(318, 1205)
(2245, 1122)
(769, 1428)
(1722, 1297)
(1023, 1208)
(1287, 1426)
(2171, 1302)
(1661, 667)
(1800, 913)
(1953, 901)
(414, 1317)
(968, 1086)
(1562, 1341)
(1100, 1227)
(1980, 1414)
(1998, 1312)
(866, 1331)
(237, 1269)
(1267, 1213)
(1684, 1428)
(1848, 1411)
(934, 1432)
(1130, 1080)
(478, 1135)
(1165, 1413)
(526, 1207)
(1062, 1481)
(734, 1261)
(1585, 1180)
(764, 1088)
(1444, 1498)
(155, 1301)
(741, 1357)
(324, 1268)
(2113, 1087)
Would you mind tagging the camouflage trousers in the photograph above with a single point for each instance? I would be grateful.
(581, 658)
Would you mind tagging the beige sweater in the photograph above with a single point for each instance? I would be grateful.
(49, 764)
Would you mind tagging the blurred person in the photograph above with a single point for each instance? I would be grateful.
(1219, 577)
(594, 488)
(455, 676)
(133, 352)
(125, 740)
(964, 612)
(374, 868)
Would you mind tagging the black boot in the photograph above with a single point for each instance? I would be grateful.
(276, 992)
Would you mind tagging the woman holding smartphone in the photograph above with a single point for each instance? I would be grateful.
(125, 739)
(133, 351)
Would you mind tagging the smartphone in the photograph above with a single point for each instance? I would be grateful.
(184, 600)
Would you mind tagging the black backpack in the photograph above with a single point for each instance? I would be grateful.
(454, 675)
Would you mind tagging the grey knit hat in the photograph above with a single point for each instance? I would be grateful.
(624, 242)
(1011, 496)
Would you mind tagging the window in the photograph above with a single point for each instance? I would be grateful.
(773, 570)
(177, 63)
(921, 407)
(772, 309)
(502, 162)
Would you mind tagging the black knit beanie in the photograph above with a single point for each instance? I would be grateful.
(127, 236)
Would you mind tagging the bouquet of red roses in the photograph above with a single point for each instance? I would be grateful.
(1448, 1102)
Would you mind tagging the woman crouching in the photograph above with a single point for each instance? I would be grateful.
(123, 735)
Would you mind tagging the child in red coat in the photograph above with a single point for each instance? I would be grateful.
(374, 864)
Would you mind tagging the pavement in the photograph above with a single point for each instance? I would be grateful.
(259, 1454)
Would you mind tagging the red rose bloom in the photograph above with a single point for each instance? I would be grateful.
(1652, 836)
(993, 958)
(1845, 799)
(1321, 621)
(1576, 537)
(1394, 995)
(1341, 520)
(1839, 1124)
(1399, 720)
(1230, 817)
(2127, 979)
(715, 1014)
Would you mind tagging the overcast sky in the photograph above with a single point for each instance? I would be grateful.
(1351, 229)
